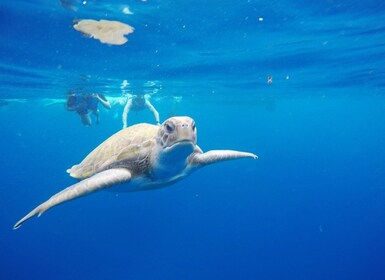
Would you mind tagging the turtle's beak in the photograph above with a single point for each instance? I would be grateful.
(186, 135)
(186, 132)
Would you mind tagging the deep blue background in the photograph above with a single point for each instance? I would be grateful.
(311, 207)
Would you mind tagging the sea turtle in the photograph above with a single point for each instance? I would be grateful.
(140, 157)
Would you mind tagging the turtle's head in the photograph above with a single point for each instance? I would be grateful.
(177, 131)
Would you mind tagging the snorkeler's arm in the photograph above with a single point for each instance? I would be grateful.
(153, 110)
(104, 101)
(125, 112)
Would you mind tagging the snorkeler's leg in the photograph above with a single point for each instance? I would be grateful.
(96, 113)
(85, 119)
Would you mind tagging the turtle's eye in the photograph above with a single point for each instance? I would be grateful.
(193, 126)
(169, 127)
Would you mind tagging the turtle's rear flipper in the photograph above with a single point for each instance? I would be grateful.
(95, 183)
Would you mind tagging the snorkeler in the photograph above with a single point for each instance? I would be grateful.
(86, 103)
(137, 103)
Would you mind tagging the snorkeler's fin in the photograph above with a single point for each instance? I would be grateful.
(92, 184)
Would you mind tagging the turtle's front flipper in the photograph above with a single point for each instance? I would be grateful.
(95, 183)
(214, 156)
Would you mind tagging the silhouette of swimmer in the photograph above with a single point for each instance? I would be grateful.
(86, 103)
(137, 103)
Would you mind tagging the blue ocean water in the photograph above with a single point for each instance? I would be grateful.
(311, 207)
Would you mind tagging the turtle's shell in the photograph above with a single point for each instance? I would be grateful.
(129, 148)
